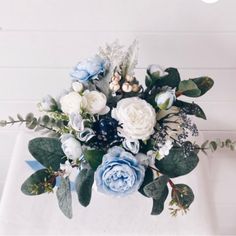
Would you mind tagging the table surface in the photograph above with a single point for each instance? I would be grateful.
(40, 215)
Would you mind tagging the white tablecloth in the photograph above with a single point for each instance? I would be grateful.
(40, 215)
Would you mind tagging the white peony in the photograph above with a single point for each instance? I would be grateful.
(72, 103)
(96, 102)
(137, 118)
(71, 147)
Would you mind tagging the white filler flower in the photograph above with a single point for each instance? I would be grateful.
(137, 118)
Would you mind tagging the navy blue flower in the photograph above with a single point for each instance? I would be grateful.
(120, 173)
(89, 69)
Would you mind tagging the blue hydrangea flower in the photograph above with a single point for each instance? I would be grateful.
(120, 173)
(89, 69)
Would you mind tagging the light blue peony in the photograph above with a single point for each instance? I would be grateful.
(120, 173)
(89, 69)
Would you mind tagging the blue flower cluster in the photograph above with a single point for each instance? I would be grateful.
(89, 69)
(120, 173)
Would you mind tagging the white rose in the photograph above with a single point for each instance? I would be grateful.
(71, 147)
(96, 102)
(72, 103)
(137, 118)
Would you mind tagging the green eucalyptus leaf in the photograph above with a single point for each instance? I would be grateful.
(48, 152)
(191, 109)
(20, 117)
(204, 84)
(64, 197)
(39, 182)
(176, 163)
(213, 146)
(3, 123)
(94, 157)
(83, 186)
(155, 188)
(147, 179)
(158, 204)
(32, 124)
(189, 88)
(182, 195)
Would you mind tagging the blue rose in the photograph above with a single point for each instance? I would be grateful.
(120, 173)
(89, 69)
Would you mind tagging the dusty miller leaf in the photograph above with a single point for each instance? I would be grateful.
(64, 197)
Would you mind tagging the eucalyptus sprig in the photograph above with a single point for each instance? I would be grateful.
(43, 123)
(217, 144)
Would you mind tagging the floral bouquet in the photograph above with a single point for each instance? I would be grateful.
(122, 135)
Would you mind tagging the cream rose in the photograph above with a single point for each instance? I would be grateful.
(72, 103)
(137, 118)
(95, 102)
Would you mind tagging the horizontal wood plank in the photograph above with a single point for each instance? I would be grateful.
(113, 15)
(60, 49)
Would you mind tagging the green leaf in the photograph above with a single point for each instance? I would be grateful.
(176, 163)
(64, 197)
(39, 183)
(48, 152)
(204, 145)
(147, 179)
(156, 187)
(189, 88)
(3, 123)
(20, 117)
(204, 84)
(158, 204)
(172, 79)
(213, 146)
(191, 109)
(182, 195)
(32, 124)
(94, 157)
(83, 186)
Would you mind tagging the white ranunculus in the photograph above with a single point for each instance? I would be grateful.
(96, 102)
(72, 103)
(71, 147)
(137, 118)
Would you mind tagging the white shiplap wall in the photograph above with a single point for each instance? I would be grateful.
(41, 40)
